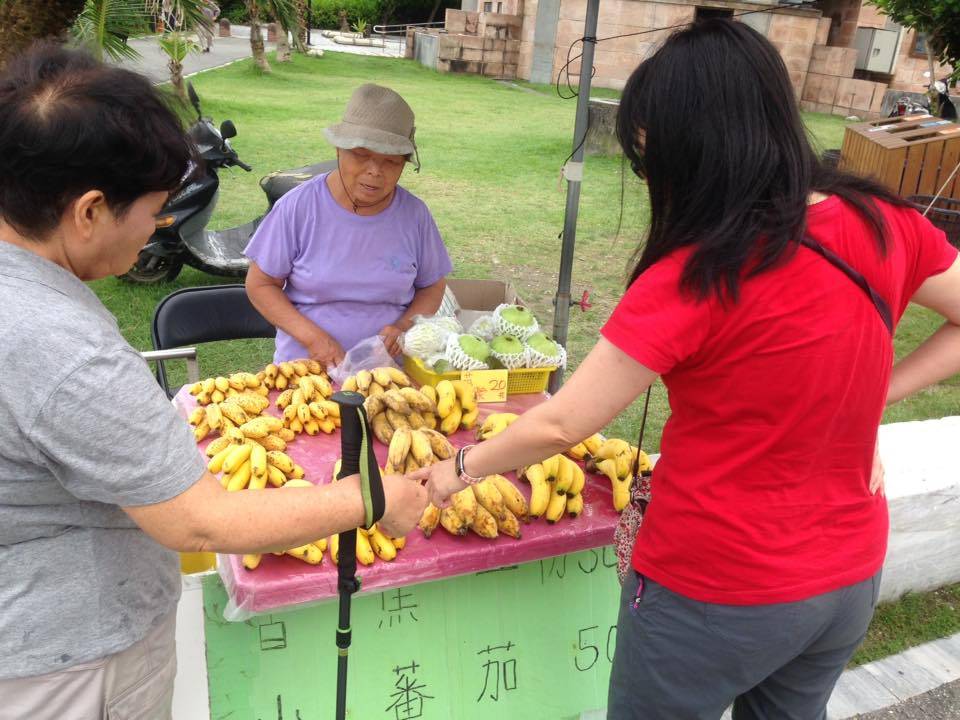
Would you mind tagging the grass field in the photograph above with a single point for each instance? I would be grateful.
(491, 156)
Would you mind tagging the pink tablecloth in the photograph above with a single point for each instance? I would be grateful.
(283, 581)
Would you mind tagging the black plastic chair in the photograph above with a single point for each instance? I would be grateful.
(944, 213)
(202, 314)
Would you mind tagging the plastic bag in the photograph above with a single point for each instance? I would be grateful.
(365, 355)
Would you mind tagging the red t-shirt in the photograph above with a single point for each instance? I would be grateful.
(761, 491)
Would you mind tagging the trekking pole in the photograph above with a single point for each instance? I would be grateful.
(356, 453)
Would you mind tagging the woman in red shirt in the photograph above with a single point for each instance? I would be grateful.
(757, 565)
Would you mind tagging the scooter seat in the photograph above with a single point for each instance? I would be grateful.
(277, 184)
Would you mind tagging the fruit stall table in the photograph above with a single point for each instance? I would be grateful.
(454, 627)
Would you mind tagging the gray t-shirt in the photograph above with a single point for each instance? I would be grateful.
(84, 429)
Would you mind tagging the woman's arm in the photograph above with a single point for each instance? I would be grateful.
(606, 382)
(208, 518)
(425, 301)
(266, 294)
(938, 357)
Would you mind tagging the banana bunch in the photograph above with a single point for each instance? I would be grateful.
(556, 485)
(305, 408)
(586, 449)
(247, 463)
(371, 544)
(495, 424)
(218, 389)
(234, 418)
(616, 458)
(376, 381)
(281, 376)
(400, 408)
(492, 507)
(410, 449)
(456, 405)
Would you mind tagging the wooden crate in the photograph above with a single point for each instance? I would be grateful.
(911, 155)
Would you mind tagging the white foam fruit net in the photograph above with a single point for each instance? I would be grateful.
(506, 327)
(458, 358)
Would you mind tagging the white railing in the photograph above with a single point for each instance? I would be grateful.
(399, 32)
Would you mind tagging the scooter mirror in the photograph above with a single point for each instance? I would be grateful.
(194, 98)
(228, 129)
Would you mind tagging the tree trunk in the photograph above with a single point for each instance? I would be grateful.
(24, 21)
(256, 38)
(176, 79)
(284, 53)
(433, 13)
(304, 21)
(933, 96)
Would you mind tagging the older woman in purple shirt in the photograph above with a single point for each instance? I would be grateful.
(350, 254)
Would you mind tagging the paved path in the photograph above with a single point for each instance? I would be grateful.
(153, 61)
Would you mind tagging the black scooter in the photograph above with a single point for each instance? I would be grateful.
(182, 236)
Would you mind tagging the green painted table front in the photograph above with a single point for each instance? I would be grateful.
(528, 641)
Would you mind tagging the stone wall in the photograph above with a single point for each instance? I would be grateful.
(480, 43)
(831, 88)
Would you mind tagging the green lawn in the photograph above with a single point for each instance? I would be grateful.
(491, 155)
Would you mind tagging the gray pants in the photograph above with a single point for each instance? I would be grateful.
(679, 659)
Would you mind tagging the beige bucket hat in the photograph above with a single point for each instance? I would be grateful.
(377, 119)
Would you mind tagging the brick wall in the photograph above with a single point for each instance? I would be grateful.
(480, 43)
(831, 88)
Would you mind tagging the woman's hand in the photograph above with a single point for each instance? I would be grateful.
(442, 482)
(324, 349)
(405, 503)
(391, 338)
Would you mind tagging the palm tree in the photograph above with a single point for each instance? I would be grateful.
(286, 14)
(24, 21)
(104, 26)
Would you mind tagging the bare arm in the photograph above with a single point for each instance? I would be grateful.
(425, 301)
(208, 518)
(606, 382)
(938, 357)
(266, 294)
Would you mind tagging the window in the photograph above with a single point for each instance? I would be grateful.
(499, 7)
(919, 46)
(709, 13)
(488, 7)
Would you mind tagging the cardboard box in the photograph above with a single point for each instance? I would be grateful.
(477, 297)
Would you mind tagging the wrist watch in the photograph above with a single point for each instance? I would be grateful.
(458, 466)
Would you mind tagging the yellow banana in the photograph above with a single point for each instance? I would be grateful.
(465, 505)
(452, 522)
(328, 425)
(495, 424)
(365, 554)
(321, 544)
(395, 419)
(271, 371)
(540, 489)
(611, 448)
(429, 520)
(216, 462)
(313, 367)
(275, 477)
(309, 553)
(410, 465)
(239, 478)
(451, 423)
(286, 369)
(381, 428)
(621, 486)
(395, 401)
(273, 442)
(258, 461)
(196, 388)
(257, 483)
(469, 419)
(439, 443)
(564, 475)
(374, 405)
(484, 523)
(578, 451)
(623, 464)
(576, 487)
(198, 414)
(398, 376)
(364, 378)
(305, 386)
(466, 394)
(350, 384)
(382, 546)
(251, 561)
(376, 389)
(429, 392)
(399, 446)
(221, 384)
(509, 525)
(335, 549)
(239, 455)
(217, 445)
(430, 420)
(446, 398)
(208, 385)
(297, 473)
(574, 505)
(417, 400)
(556, 506)
(201, 430)
(281, 461)
(551, 467)
(298, 483)
(286, 434)
(399, 543)
(416, 420)
(512, 497)
(303, 413)
(311, 427)
(233, 412)
(421, 448)
(489, 497)
(381, 376)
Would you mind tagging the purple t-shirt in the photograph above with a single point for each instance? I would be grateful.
(350, 274)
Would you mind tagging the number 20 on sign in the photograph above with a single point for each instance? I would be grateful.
(491, 385)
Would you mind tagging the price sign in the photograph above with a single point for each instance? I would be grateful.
(491, 385)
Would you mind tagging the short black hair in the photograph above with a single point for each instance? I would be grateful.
(726, 157)
(70, 124)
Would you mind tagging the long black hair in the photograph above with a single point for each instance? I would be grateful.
(711, 123)
(69, 124)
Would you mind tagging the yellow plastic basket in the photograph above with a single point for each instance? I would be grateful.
(519, 382)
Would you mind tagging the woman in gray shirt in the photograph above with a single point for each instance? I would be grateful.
(100, 479)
